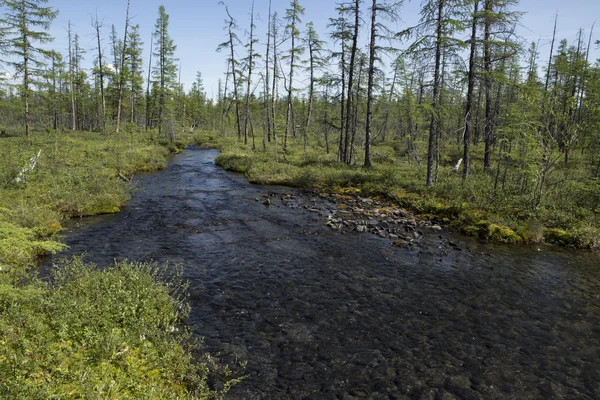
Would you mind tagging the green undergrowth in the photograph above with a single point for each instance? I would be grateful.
(475, 207)
(113, 333)
(77, 174)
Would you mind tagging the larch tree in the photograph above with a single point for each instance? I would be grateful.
(26, 24)
(134, 78)
(250, 60)
(389, 11)
(499, 23)
(122, 71)
(165, 71)
(439, 21)
(72, 78)
(148, 82)
(315, 61)
(293, 17)
(267, 91)
(354, 9)
(233, 64)
(198, 102)
(97, 25)
(470, 90)
(342, 33)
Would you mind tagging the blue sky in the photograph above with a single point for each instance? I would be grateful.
(197, 25)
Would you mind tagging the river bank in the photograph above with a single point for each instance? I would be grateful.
(473, 208)
(118, 331)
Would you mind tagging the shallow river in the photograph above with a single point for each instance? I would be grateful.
(323, 315)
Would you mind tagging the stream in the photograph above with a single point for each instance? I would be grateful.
(321, 314)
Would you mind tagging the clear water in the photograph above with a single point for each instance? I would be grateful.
(323, 315)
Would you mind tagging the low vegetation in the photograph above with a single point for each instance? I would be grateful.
(474, 207)
(112, 333)
(116, 332)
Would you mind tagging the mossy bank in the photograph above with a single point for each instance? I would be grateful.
(473, 207)
(116, 332)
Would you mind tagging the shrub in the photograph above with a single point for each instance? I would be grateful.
(111, 333)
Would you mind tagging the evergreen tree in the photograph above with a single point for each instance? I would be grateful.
(135, 73)
(165, 72)
(293, 17)
(21, 20)
(389, 11)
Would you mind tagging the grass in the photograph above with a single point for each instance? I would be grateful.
(112, 333)
(567, 215)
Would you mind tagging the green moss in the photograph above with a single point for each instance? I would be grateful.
(470, 230)
(18, 245)
(502, 234)
(531, 231)
(558, 236)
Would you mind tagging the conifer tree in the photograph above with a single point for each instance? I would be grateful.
(293, 17)
(135, 77)
(22, 21)
(387, 10)
(233, 64)
(315, 48)
(165, 71)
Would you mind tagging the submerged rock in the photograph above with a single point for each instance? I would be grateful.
(400, 243)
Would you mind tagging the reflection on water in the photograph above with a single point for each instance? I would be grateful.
(324, 315)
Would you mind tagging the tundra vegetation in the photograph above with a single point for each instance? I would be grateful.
(455, 118)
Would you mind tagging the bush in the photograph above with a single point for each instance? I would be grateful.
(111, 333)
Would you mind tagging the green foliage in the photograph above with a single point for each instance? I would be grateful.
(111, 333)
(92, 333)
(476, 207)
(76, 175)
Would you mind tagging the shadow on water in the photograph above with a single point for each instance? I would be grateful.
(323, 315)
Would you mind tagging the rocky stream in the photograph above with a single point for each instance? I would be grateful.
(341, 297)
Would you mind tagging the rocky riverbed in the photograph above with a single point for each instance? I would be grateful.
(281, 279)
(353, 213)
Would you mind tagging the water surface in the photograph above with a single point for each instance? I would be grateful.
(323, 315)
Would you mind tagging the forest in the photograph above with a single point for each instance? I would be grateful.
(458, 108)
(455, 118)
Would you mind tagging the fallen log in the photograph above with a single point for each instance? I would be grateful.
(30, 167)
(124, 178)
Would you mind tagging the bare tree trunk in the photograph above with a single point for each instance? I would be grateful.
(73, 115)
(97, 25)
(436, 89)
(274, 86)
(311, 87)
(470, 89)
(487, 84)
(54, 108)
(367, 163)
(249, 83)
(341, 155)
(351, 78)
(148, 85)
(267, 133)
